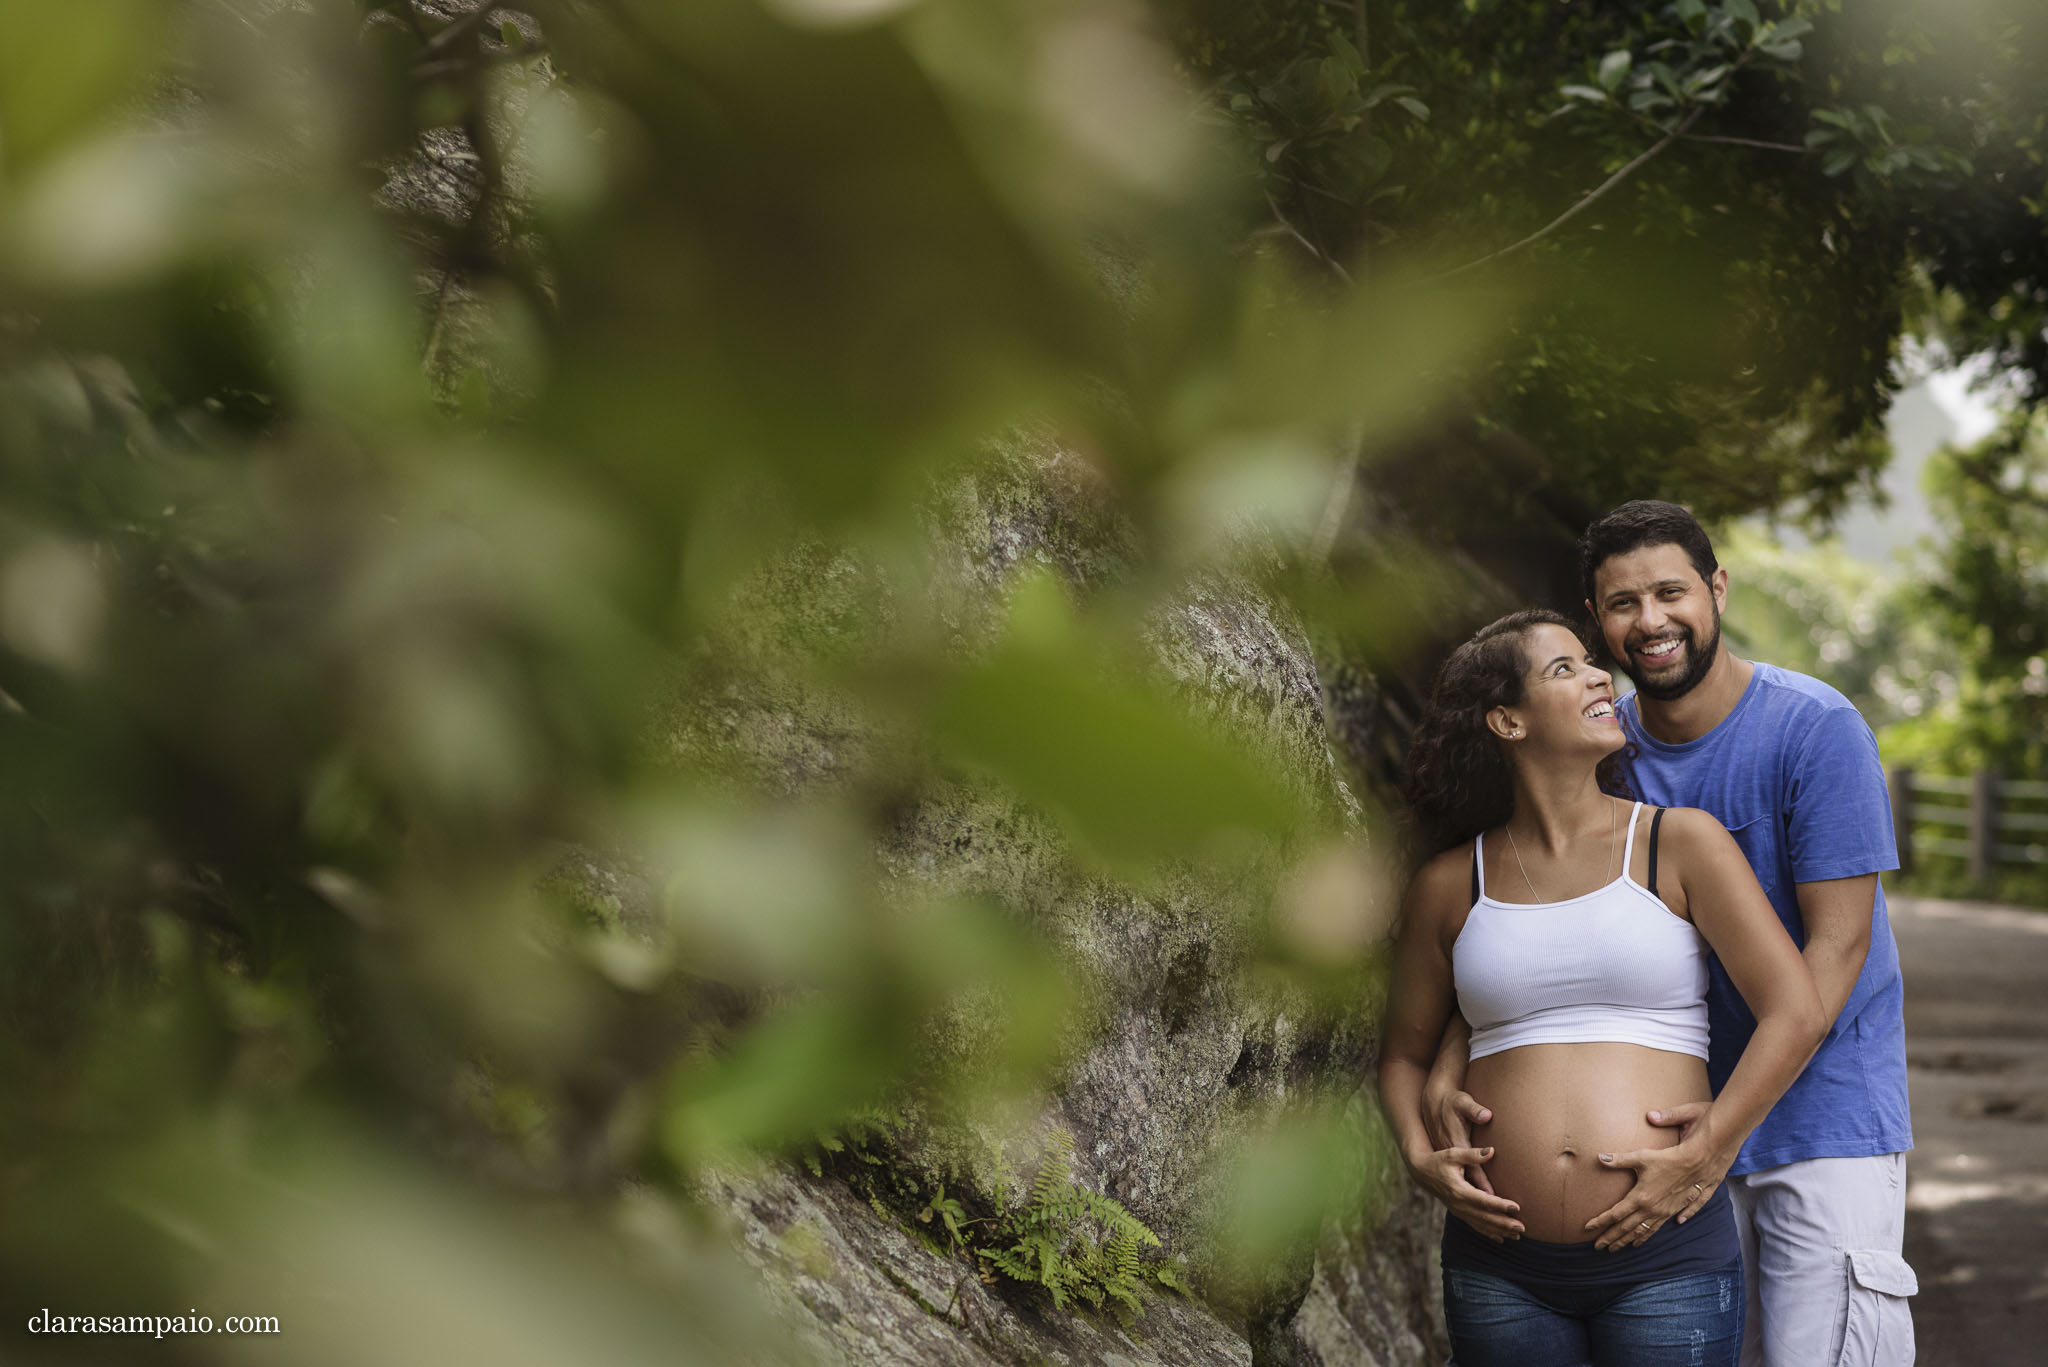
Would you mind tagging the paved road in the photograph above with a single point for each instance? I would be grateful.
(1977, 1183)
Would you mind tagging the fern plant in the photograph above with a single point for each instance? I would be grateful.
(859, 1134)
(1084, 1248)
(1076, 1243)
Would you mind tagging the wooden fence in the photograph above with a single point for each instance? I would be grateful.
(2003, 821)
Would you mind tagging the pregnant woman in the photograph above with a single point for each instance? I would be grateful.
(1571, 929)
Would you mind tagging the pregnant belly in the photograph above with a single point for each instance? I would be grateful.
(1557, 1107)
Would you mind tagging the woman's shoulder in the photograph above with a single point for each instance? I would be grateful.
(1444, 880)
(1452, 867)
(1690, 831)
(1443, 885)
(1439, 898)
(1687, 821)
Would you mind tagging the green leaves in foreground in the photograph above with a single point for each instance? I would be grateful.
(952, 971)
(796, 1074)
(1127, 771)
(64, 69)
(363, 1254)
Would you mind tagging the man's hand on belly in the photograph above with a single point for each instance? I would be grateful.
(1673, 1182)
(1449, 1118)
(1443, 1174)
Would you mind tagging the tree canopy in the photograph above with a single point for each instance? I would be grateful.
(1728, 217)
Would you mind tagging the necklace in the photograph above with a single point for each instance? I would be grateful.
(1611, 809)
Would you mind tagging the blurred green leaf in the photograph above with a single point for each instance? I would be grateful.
(1285, 1181)
(1119, 763)
(801, 1071)
(64, 71)
(755, 896)
(1379, 358)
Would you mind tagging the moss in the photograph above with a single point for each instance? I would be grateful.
(903, 1284)
(802, 1246)
(1026, 504)
(586, 893)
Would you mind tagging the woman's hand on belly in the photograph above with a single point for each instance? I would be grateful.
(1442, 1173)
(1667, 1182)
(1557, 1108)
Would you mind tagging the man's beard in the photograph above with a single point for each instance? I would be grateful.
(1698, 662)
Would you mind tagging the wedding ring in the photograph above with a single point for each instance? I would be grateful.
(1700, 1189)
(1644, 1225)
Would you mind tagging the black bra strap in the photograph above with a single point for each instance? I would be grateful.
(1654, 821)
(1475, 873)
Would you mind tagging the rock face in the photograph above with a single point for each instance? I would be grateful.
(858, 1289)
(1180, 1049)
(855, 1288)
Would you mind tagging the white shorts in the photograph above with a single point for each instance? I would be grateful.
(1821, 1243)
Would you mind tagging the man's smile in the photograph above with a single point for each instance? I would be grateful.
(1660, 652)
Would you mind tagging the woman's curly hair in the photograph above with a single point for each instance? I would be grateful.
(1459, 783)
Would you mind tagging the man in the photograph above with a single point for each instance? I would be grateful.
(1790, 767)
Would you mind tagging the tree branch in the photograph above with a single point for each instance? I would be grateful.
(1313, 250)
(1679, 130)
(1750, 142)
(411, 19)
(461, 29)
(1592, 197)
(432, 349)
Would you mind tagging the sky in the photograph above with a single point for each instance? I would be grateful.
(1941, 409)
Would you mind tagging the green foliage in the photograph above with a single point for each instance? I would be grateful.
(949, 1212)
(1310, 123)
(1685, 70)
(472, 620)
(1947, 659)
(440, 454)
(1076, 1243)
(1985, 590)
(1861, 627)
(864, 1135)
(1894, 105)
(58, 78)
(1718, 325)
(1086, 1250)
(1865, 141)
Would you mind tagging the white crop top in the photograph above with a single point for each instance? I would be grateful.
(1615, 964)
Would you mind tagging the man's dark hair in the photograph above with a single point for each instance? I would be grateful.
(1638, 523)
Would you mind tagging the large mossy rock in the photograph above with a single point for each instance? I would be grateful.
(1178, 1048)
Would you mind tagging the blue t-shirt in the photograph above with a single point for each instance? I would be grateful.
(1793, 773)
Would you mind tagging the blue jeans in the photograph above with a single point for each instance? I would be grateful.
(1688, 1321)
